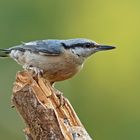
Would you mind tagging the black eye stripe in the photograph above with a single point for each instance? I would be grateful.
(83, 45)
(88, 45)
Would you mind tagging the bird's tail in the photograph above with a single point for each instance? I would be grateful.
(4, 52)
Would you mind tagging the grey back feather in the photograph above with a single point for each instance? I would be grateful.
(46, 47)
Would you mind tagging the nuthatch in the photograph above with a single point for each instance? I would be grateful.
(57, 60)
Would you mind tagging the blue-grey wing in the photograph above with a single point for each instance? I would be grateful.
(43, 47)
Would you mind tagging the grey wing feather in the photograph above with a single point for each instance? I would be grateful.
(41, 47)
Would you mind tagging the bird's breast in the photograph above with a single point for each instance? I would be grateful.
(59, 68)
(56, 68)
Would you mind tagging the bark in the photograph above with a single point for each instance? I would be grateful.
(46, 116)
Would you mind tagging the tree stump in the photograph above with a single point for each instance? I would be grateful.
(39, 106)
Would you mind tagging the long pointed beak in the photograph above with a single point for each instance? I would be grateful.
(104, 47)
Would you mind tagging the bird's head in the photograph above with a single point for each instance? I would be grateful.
(84, 47)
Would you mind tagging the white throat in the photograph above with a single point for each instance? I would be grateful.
(84, 52)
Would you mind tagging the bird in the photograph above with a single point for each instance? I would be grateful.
(56, 60)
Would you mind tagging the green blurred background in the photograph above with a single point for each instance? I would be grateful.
(106, 94)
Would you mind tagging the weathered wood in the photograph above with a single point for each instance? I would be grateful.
(45, 119)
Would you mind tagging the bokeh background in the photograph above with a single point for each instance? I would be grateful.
(106, 94)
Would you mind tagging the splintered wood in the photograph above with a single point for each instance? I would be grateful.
(45, 118)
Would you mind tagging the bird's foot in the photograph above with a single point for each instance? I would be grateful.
(34, 70)
(38, 71)
(61, 98)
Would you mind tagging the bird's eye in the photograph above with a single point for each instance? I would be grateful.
(87, 45)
